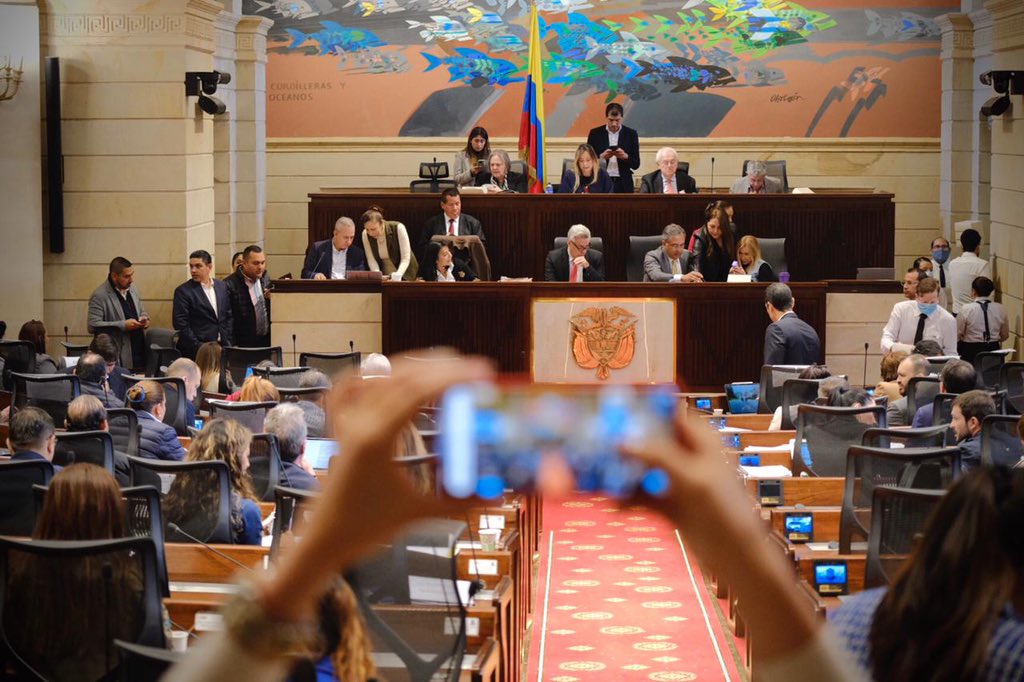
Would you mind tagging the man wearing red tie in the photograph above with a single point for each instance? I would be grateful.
(577, 262)
(452, 222)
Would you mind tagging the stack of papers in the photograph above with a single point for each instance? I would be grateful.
(774, 471)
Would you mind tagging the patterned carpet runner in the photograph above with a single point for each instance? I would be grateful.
(618, 598)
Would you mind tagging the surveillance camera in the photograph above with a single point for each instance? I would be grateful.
(207, 81)
(212, 105)
(997, 106)
(1004, 82)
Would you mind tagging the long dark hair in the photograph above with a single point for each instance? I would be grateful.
(474, 158)
(728, 241)
(936, 620)
(34, 331)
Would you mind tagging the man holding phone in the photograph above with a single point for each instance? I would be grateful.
(115, 309)
(618, 146)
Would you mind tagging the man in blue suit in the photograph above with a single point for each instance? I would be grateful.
(202, 307)
(31, 436)
(788, 339)
(333, 258)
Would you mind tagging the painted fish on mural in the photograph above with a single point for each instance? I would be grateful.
(441, 28)
(630, 47)
(367, 8)
(291, 9)
(475, 68)
(560, 70)
(375, 62)
(562, 5)
(618, 79)
(572, 35)
(335, 38)
(906, 26)
(757, 74)
(683, 74)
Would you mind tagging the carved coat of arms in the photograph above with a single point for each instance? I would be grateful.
(603, 338)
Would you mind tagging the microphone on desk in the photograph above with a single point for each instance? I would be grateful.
(312, 273)
(175, 528)
(351, 346)
(712, 186)
(864, 379)
(295, 355)
(66, 339)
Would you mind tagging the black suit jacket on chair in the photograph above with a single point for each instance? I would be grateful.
(320, 258)
(556, 266)
(629, 142)
(196, 322)
(791, 341)
(438, 224)
(243, 312)
(652, 183)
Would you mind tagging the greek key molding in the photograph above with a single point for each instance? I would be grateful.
(105, 25)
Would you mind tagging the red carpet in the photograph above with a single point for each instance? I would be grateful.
(616, 600)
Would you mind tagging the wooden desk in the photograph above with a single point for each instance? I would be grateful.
(826, 521)
(813, 491)
(829, 235)
(805, 558)
(195, 563)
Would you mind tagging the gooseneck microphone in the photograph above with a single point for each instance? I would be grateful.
(351, 346)
(66, 339)
(295, 354)
(177, 529)
(864, 379)
(312, 273)
(712, 186)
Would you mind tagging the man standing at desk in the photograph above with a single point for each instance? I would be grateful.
(202, 307)
(619, 146)
(452, 222)
(250, 299)
(333, 258)
(788, 340)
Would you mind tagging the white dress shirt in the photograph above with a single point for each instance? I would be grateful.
(446, 277)
(211, 295)
(970, 323)
(899, 331)
(960, 272)
(613, 161)
(339, 263)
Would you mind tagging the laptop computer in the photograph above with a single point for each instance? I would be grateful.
(319, 452)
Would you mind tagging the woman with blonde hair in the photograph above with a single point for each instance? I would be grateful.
(156, 439)
(387, 247)
(748, 253)
(229, 441)
(587, 176)
(258, 389)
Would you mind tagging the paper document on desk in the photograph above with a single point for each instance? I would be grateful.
(802, 190)
(733, 429)
(785, 447)
(426, 590)
(773, 471)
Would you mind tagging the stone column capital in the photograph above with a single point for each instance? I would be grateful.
(1008, 17)
(251, 39)
(957, 35)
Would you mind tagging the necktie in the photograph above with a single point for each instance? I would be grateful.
(451, 227)
(260, 308)
(574, 272)
(670, 186)
(919, 334)
(942, 277)
(675, 268)
(984, 312)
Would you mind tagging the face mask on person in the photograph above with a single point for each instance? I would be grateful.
(940, 256)
(927, 308)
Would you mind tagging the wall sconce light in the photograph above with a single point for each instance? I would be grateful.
(202, 84)
(1005, 83)
(10, 80)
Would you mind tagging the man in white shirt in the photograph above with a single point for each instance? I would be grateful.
(922, 318)
(940, 258)
(981, 324)
(962, 271)
(910, 280)
(670, 262)
(202, 307)
(334, 258)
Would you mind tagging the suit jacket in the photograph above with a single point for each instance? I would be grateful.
(658, 267)
(196, 322)
(516, 182)
(243, 312)
(106, 316)
(438, 224)
(603, 185)
(320, 257)
(791, 341)
(652, 183)
(629, 142)
(556, 266)
(897, 413)
(771, 185)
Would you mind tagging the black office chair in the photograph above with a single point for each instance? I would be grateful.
(920, 391)
(144, 663)
(292, 395)
(19, 357)
(74, 350)
(265, 468)
(174, 394)
(290, 505)
(1000, 444)
(123, 426)
(773, 377)
(281, 377)
(773, 252)
(824, 434)
(49, 392)
(867, 468)
(108, 588)
(160, 350)
(935, 364)
(989, 367)
(927, 437)
(898, 518)
(1011, 379)
(332, 363)
(417, 634)
(638, 248)
(568, 166)
(433, 177)
(249, 414)
(208, 519)
(595, 243)
(90, 447)
(519, 166)
(236, 361)
(797, 392)
(775, 169)
(17, 504)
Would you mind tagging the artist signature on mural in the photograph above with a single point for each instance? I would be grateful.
(786, 99)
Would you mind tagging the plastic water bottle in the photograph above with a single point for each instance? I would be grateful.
(549, 189)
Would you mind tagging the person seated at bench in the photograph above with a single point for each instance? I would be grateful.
(156, 439)
(208, 358)
(954, 607)
(440, 265)
(91, 371)
(815, 372)
(227, 440)
(31, 435)
(888, 370)
(86, 413)
(586, 177)
(957, 376)
(287, 423)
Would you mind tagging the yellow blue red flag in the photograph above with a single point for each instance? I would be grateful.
(531, 128)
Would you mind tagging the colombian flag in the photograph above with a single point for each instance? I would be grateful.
(531, 128)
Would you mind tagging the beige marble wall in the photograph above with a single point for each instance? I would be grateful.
(21, 208)
(852, 320)
(907, 167)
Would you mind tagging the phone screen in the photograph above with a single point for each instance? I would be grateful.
(494, 438)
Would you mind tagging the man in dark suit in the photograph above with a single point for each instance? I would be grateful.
(452, 221)
(335, 257)
(32, 436)
(202, 307)
(250, 299)
(669, 178)
(115, 309)
(619, 146)
(788, 339)
(670, 262)
(577, 262)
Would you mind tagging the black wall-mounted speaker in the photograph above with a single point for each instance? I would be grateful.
(54, 156)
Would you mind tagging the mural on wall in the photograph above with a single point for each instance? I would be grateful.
(689, 68)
